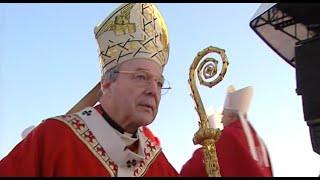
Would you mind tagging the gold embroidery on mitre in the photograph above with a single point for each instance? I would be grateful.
(121, 25)
(133, 30)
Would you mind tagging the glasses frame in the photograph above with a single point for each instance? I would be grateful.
(154, 77)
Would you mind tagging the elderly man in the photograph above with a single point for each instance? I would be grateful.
(240, 151)
(106, 140)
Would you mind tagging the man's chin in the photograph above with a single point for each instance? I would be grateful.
(146, 120)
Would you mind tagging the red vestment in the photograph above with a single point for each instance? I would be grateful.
(234, 156)
(150, 135)
(66, 146)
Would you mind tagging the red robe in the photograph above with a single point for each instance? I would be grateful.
(233, 154)
(67, 147)
(150, 135)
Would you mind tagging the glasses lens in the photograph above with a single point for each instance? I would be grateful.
(166, 87)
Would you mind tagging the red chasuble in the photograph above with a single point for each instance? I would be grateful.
(83, 144)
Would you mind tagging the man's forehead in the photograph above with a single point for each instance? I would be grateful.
(142, 64)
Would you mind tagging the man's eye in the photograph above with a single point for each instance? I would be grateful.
(141, 76)
(160, 84)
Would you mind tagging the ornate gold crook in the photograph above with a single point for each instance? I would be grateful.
(207, 136)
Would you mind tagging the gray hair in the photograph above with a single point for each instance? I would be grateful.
(235, 113)
(110, 75)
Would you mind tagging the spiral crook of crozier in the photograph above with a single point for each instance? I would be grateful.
(208, 68)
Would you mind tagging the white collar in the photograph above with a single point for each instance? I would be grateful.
(112, 142)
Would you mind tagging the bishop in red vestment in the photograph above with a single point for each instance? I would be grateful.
(240, 151)
(107, 140)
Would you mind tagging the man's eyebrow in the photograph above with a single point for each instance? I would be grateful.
(143, 69)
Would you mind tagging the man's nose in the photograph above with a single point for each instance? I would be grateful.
(153, 87)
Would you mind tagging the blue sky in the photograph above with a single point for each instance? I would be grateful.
(49, 62)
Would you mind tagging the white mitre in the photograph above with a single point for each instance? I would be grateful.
(26, 131)
(215, 117)
(239, 100)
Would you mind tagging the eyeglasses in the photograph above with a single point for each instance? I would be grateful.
(144, 78)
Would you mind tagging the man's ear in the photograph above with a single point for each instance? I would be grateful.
(105, 85)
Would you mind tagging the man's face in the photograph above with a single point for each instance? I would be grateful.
(227, 117)
(133, 101)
